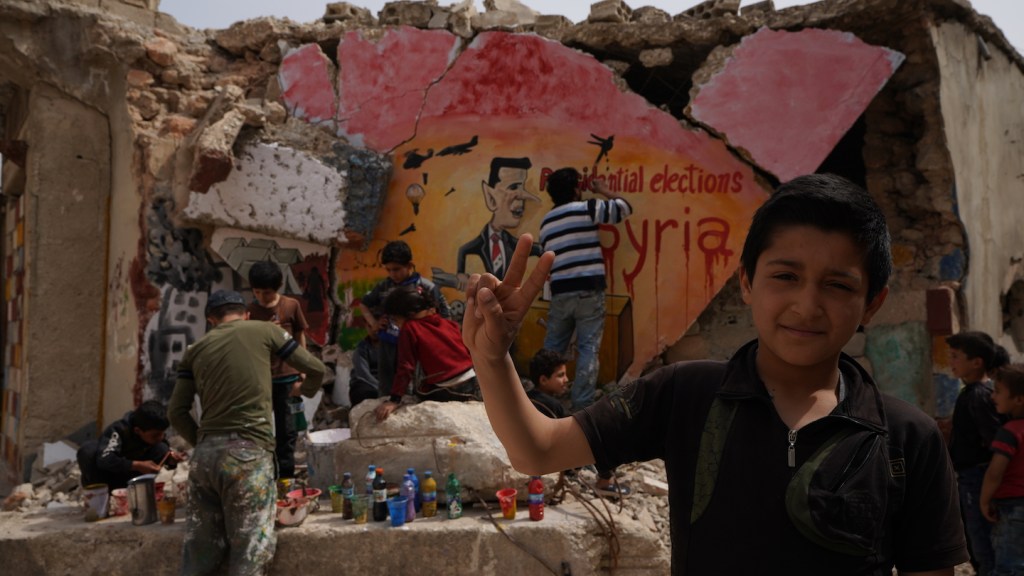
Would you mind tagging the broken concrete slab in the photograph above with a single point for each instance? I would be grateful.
(765, 93)
(438, 436)
(567, 534)
(285, 192)
(306, 77)
(214, 159)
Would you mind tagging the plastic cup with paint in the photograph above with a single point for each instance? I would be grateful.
(96, 498)
(360, 508)
(507, 499)
(165, 509)
(119, 502)
(337, 499)
(397, 505)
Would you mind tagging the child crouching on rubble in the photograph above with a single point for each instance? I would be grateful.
(787, 459)
(130, 447)
(434, 343)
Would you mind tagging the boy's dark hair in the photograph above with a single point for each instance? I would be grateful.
(498, 163)
(396, 252)
(1012, 376)
(406, 301)
(975, 344)
(544, 363)
(562, 185)
(150, 415)
(829, 203)
(265, 275)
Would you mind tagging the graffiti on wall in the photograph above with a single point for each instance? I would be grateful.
(304, 266)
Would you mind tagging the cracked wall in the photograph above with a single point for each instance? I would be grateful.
(400, 126)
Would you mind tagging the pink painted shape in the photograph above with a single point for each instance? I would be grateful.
(502, 75)
(788, 97)
(305, 76)
(382, 84)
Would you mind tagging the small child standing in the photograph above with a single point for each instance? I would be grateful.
(432, 342)
(396, 257)
(972, 357)
(1002, 493)
(268, 305)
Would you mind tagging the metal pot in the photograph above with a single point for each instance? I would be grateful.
(142, 499)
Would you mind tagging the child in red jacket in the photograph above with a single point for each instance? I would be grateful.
(433, 342)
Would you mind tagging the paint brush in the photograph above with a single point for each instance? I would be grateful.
(164, 459)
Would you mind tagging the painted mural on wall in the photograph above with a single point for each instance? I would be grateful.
(476, 133)
(476, 128)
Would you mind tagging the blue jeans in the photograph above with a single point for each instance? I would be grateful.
(1008, 538)
(583, 312)
(978, 529)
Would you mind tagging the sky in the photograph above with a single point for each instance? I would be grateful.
(1007, 14)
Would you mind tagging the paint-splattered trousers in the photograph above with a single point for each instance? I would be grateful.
(231, 506)
(582, 311)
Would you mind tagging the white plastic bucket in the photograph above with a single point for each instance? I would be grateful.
(96, 497)
(320, 447)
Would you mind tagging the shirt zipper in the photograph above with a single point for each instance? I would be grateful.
(791, 452)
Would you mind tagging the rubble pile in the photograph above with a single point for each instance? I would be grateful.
(52, 486)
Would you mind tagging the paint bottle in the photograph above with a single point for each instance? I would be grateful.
(348, 489)
(415, 484)
(380, 496)
(428, 495)
(453, 495)
(536, 498)
(371, 473)
(408, 490)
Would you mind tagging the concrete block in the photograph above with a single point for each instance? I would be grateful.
(654, 486)
(213, 157)
(524, 14)
(415, 14)
(609, 11)
(713, 9)
(656, 57)
(650, 15)
(345, 12)
(279, 191)
(778, 75)
(496, 20)
(766, 6)
(550, 24)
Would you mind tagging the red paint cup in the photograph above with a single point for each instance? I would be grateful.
(507, 499)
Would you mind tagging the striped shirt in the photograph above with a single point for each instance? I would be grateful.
(570, 231)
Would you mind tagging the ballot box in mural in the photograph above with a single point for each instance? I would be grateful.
(615, 355)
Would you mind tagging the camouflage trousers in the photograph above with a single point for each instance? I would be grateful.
(231, 508)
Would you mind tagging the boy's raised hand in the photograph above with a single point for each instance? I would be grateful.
(496, 308)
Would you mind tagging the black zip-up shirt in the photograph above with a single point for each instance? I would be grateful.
(975, 422)
(745, 528)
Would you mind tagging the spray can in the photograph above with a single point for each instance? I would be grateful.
(415, 484)
(408, 490)
(453, 494)
(536, 498)
(428, 494)
(380, 496)
(348, 489)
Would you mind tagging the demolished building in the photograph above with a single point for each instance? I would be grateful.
(146, 164)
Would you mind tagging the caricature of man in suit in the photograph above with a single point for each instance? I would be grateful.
(505, 195)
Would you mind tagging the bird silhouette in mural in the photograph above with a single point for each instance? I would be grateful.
(413, 158)
(451, 191)
(605, 144)
(411, 228)
(459, 149)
